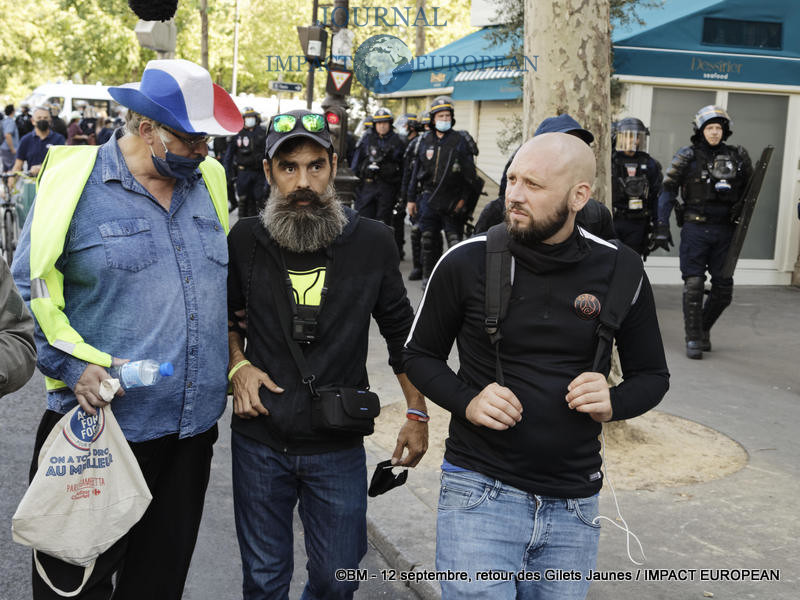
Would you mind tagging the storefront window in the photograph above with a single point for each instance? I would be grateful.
(759, 120)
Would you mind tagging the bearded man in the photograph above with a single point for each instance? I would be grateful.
(522, 466)
(304, 277)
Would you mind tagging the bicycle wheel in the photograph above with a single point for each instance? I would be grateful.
(9, 235)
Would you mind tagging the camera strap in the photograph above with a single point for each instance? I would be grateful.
(294, 348)
(282, 306)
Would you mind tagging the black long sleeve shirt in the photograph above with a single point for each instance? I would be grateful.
(363, 281)
(546, 343)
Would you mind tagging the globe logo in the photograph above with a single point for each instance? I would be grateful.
(383, 64)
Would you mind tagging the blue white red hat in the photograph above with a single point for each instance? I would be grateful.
(180, 94)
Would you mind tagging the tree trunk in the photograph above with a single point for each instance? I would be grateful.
(572, 42)
(204, 33)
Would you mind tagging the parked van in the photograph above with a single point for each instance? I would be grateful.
(74, 96)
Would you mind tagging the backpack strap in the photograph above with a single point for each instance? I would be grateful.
(623, 288)
(498, 288)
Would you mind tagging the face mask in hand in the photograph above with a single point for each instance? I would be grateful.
(384, 480)
(174, 166)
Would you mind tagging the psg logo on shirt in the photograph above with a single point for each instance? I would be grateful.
(587, 306)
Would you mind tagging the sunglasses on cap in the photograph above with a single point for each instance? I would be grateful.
(311, 122)
(190, 141)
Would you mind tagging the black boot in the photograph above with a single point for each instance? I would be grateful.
(718, 300)
(693, 316)
(416, 254)
(706, 341)
(431, 253)
(453, 238)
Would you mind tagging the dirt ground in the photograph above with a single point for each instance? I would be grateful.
(652, 451)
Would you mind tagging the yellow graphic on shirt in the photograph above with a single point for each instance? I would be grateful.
(307, 286)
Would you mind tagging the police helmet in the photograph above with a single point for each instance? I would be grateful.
(382, 115)
(407, 120)
(439, 104)
(631, 135)
(368, 123)
(249, 111)
(712, 114)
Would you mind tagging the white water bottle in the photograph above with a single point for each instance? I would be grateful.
(141, 373)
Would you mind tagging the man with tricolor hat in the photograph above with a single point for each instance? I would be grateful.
(125, 257)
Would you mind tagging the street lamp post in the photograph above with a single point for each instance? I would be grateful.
(335, 104)
(235, 45)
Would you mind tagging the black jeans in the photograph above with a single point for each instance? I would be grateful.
(152, 559)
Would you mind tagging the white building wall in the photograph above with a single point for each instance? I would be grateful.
(490, 160)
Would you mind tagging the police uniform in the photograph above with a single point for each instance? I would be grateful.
(443, 168)
(711, 181)
(378, 162)
(408, 130)
(243, 162)
(635, 184)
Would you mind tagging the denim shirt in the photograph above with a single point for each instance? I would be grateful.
(141, 282)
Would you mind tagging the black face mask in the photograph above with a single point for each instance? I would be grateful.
(384, 480)
(43, 125)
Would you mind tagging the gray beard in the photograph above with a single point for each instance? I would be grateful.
(304, 228)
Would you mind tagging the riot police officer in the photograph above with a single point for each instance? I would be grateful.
(413, 129)
(711, 177)
(243, 163)
(635, 185)
(443, 171)
(378, 162)
(406, 129)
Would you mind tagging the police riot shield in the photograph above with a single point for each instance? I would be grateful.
(748, 205)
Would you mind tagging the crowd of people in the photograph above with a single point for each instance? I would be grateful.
(138, 263)
(28, 134)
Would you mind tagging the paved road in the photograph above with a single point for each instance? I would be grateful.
(747, 388)
(216, 568)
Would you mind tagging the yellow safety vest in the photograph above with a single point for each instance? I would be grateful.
(60, 184)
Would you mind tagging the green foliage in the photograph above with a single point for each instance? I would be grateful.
(93, 40)
(82, 40)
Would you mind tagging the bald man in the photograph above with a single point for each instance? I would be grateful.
(522, 466)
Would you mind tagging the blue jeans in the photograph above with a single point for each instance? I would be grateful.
(484, 525)
(332, 489)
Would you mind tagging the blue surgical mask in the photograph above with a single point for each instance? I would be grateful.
(443, 126)
(177, 167)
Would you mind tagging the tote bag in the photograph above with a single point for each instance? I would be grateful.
(87, 493)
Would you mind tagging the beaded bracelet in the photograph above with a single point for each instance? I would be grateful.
(236, 367)
(417, 415)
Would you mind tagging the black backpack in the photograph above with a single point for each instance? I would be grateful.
(625, 280)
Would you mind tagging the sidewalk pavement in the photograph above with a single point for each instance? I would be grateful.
(746, 388)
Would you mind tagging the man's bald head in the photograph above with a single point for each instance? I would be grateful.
(560, 157)
(549, 181)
